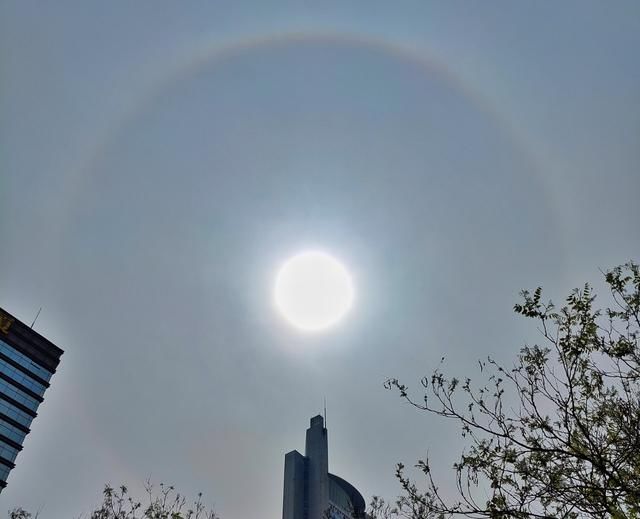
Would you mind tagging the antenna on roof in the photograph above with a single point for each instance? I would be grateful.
(36, 318)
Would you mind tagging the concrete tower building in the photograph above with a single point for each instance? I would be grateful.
(310, 490)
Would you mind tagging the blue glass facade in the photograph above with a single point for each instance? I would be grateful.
(27, 363)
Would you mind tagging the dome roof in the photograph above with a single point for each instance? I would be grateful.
(345, 495)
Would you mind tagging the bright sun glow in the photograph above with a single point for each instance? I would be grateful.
(313, 291)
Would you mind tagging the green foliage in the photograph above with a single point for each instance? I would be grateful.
(571, 446)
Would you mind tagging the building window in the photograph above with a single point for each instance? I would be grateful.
(7, 452)
(17, 414)
(4, 472)
(25, 361)
(12, 432)
(18, 395)
(21, 378)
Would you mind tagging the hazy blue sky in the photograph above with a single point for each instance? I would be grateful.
(160, 159)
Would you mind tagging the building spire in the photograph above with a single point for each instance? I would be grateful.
(325, 412)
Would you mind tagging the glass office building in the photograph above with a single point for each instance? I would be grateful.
(27, 363)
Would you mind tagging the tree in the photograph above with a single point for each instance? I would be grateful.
(20, 513)
(570, 444)
(164, 503)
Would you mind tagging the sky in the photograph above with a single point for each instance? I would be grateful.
(160, 160)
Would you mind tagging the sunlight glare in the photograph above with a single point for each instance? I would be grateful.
(313, 291)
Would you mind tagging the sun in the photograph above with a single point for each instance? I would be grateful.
(313, 291)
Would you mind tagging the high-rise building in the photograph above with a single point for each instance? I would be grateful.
(310, 491)
(27, 362)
